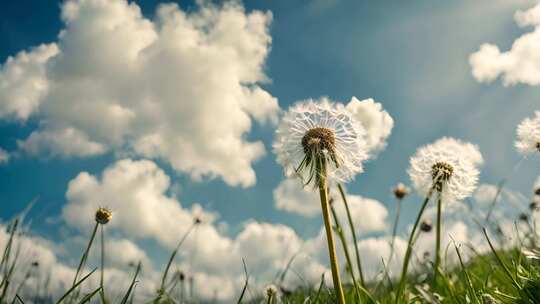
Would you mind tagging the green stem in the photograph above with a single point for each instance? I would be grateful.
(269, 301)
(410, 244)
(341, 235)
(323, 188)
(102, 291)
(438, 240)
(353, 233)
(394, 231)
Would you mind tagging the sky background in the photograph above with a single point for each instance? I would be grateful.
(412, 57)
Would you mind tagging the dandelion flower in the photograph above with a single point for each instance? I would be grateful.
(449, 166)
(312, 131)
(400, 191)
(528, 135)
(103, 216)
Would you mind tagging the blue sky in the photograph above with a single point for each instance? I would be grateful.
(411, 57)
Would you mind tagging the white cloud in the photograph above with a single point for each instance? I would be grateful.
(290, 196)
(377, 122)
(521, 64)
(369, 214)
(23, 83)
(4, 156)
(135, 192)
(159, 88)
(63, 142)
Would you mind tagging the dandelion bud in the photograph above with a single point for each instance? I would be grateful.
(400, 191)
(426, 226)
(35, 264)
(523, 217)
(197, 221)
(103, 216)
(537, 191)
(181, 276)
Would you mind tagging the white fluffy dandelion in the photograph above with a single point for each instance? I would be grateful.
(471, 151)
(528, 135)
(320, 130)
(448, 165)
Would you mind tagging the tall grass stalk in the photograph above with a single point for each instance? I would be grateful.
(341, 235)
(173, 255)
(353, 233)
(323, 193)
(84, 258)
(410, 244)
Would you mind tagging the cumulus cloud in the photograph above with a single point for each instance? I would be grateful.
(520, 64)
(23, 83)
(117, 81)
(290, 196)
(136, 193)
(63, 142)
(377, 122)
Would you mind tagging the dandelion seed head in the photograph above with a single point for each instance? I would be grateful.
(313, 130)
(103, 216)
(448, 165)
(400, 191)
(528, 135)
(271, 290)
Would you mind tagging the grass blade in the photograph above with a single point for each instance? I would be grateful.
(75, 286)
(245, 284)
(130, 289)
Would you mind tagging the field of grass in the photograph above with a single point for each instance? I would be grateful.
(505, 274)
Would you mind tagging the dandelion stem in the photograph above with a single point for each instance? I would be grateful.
(410, 244)
(438, 240)
(323, 188)
(353, 233)
(102, 291)
(394, 231)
